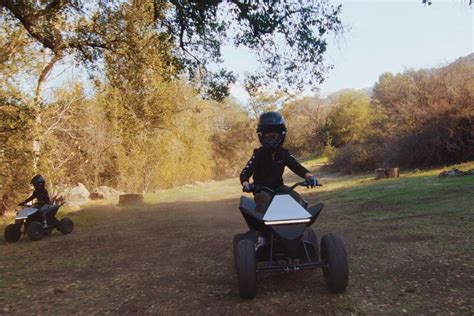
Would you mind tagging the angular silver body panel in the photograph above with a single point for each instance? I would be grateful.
(24, 213)
(285, 208)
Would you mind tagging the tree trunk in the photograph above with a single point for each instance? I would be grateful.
(382, 173)
(37, 140)
(379, 173)
(393, 172)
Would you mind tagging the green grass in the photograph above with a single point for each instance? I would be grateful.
(407, 189)
(425, 201)
(211, 191)
(314, 160)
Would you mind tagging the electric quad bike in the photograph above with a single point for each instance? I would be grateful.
(291, 245)
(28, 221)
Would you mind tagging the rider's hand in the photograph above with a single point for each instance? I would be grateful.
(311, 182)
(247, 187)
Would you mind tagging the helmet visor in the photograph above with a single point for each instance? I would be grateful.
(271, 136)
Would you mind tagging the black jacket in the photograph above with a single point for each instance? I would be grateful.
(267, 166)
(41, 195)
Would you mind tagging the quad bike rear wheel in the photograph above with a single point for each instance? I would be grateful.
(246, 268)
(310, 236)
(12, 233)
(65, 226)
(336, 272)
(35, 231)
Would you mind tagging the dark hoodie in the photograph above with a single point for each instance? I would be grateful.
(267, 166)
(41, 195)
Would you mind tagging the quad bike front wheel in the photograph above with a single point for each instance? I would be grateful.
(246, 268)
(12, 233)
(336, 271)
(35, 231)
(65, 226)
(235, 242)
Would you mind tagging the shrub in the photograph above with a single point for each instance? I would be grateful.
(354, 157)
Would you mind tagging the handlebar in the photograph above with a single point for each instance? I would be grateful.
(258, 188)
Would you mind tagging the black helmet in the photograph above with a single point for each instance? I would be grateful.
(38, 181)
(271, 122)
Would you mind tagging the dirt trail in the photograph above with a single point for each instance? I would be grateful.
(176, 258)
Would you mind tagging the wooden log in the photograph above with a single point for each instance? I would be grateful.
(128, 199)
(393, 172)
(379, 174)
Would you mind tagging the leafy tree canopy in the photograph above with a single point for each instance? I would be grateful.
(289, 37)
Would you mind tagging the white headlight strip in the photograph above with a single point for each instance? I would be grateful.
(290, 221)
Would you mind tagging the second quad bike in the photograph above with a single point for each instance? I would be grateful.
(28, 221)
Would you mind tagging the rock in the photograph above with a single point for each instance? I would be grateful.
(74, 195)
(454, 172)
(96, 196)
(416, 170)
(443, 174)
(105, 192)
(78, 193)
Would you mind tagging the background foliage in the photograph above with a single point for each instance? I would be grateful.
(143, 125)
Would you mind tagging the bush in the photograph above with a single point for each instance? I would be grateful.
(417, 119)
(16, 152)
(305, 120)
(354, 157)
(428, 115)
(350, 118)
(329, 150)
(445, 141)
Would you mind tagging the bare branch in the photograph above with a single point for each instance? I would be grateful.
(43, 75)
(61, 112)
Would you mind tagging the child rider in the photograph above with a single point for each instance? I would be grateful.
(268, 162)
(43, 203)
